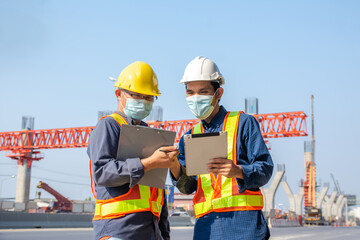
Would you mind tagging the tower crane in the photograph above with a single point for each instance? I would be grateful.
(313, 215)
(336, 184)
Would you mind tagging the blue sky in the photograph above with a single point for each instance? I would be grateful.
(56, 57)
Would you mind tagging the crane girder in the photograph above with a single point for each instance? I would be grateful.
(274, 125)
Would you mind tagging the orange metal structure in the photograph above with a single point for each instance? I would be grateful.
(287, 124)
(310, 185)
(21, 143)
(311, 212)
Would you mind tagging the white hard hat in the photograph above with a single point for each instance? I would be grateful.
(202, 69)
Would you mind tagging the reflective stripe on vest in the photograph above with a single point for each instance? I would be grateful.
(221, 194)
(140, 198)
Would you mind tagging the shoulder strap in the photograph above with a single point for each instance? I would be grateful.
(198, 128)
(230, 125)
(120, 120)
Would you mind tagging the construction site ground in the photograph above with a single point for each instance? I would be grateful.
(184, 233)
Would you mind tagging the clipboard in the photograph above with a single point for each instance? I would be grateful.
(141, 142)
(200, 148)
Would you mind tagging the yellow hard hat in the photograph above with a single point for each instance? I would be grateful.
(139, 77)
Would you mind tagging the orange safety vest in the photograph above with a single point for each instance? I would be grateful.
(140, 198)
(219, 193)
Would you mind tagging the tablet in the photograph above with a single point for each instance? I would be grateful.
(200, 148)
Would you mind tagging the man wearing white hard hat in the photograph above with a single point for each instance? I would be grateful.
(228, 201)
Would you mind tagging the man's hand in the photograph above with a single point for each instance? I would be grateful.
(225, 167)
(164, 157)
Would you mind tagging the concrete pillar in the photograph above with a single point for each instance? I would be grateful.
(23, 182)
(320, 197)
(289, 194)
(341, 206)
(324, 209)
(346, 212)
(269, 193)
(337, 206)
(328, 205)
(295, 200)
(298, 201)
(24, 174)
(265, 211)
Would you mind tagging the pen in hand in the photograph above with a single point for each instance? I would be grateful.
(165, 151)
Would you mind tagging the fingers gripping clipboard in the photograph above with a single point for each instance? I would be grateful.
(200, 148)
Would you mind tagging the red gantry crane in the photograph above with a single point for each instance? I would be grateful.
(24, 146)
(21, 143)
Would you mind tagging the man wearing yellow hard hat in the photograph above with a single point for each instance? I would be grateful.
(124, 209)
(228, 200)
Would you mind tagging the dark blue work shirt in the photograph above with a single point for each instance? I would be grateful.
(255, 160)
(114, 178)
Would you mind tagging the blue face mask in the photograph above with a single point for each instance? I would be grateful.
(200, 105)
(137, 109)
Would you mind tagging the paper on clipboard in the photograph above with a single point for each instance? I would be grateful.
(140, 142)
(200, 148)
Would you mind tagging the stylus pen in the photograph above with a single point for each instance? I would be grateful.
(165, 151)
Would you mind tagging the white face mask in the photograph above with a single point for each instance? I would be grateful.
(137, 109)
(200, 105)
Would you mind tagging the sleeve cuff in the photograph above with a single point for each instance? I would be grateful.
(246, 182)
(173, 180)
(136, 170)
